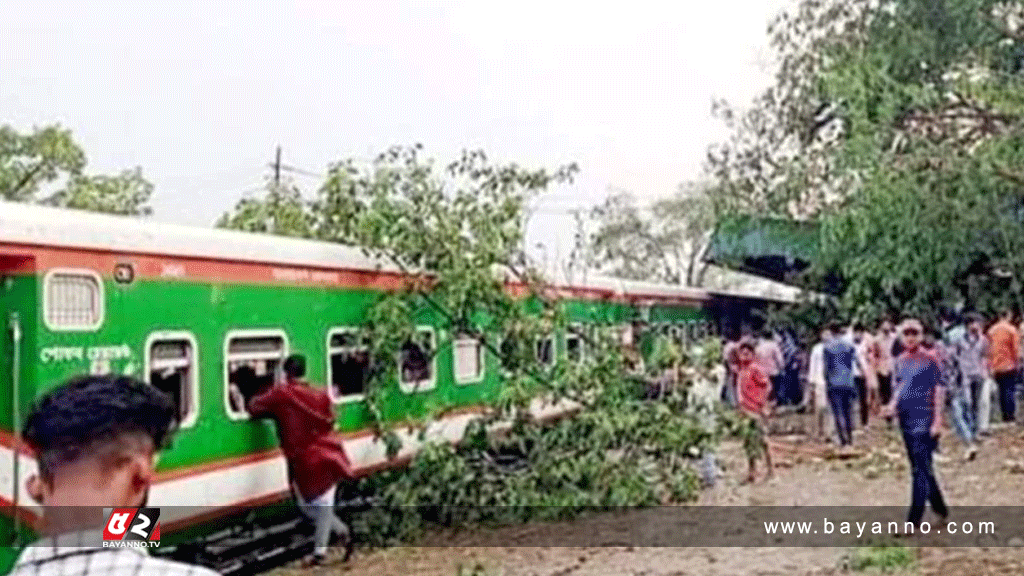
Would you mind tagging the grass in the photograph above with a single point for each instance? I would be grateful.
(886, 559)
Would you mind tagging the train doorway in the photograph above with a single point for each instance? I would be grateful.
(17, 309)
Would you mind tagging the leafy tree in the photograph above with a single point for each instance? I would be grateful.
(663, 246)
(282, 210)
(456, 232)
(919, 188)
(31, 163)
(127, 193)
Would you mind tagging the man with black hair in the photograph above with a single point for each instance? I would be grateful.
(1004, 362)
(840, 357)
(96, 440)
(316, 459)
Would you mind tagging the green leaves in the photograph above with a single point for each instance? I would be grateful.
(127, 193)
(917, 183)
(281, 211)
(31, 162)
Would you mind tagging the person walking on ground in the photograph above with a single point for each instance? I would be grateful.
(884, 341)
(769, 358)
(918, 400)
(840, 357)
(816, 384)
(316, 459)
(1004, 362)
(731, 359)
(865, 372)
(754, 390)
(96, 440)
(970, 351)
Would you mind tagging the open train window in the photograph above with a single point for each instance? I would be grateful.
(469, 359)
(348, 364)
(72, 300)
(416, 362)
(172, 367)
(545, 352)
(252, 360)
(574, 344)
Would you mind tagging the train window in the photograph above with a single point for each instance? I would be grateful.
(469, 359)
(574, 345)
(348, 364)
(252, 359)
(545, 351)
(172, 367)
(417, 362)
(73, 300)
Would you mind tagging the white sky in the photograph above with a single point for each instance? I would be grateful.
(199, 94)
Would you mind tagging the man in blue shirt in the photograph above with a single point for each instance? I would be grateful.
(918, 399)
(840, 356)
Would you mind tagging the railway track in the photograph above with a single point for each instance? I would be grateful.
(253, 546)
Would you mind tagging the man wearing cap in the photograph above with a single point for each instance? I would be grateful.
(918, 400)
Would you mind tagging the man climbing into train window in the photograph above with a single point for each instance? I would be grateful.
(96, 439)
(316, 459)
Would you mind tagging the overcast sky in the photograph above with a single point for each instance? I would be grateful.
(199, 94)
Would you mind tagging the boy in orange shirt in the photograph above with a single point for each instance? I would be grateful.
(754, 388)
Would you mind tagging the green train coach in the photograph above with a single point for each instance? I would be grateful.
(185, 308)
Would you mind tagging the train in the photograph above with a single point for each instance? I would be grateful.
(186, 308)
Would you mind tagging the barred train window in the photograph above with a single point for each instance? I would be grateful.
(172, 369)
(348, 365)
(469, 359)
(416, 362)
(74, 300)
(252, 363)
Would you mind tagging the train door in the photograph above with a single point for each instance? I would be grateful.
(17, 296)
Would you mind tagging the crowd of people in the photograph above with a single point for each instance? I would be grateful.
(911, 373)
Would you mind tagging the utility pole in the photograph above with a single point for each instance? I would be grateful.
(277, 169)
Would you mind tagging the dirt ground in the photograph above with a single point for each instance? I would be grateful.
(805, 474)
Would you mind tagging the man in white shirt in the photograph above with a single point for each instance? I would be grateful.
(96, 439)
(816, 381)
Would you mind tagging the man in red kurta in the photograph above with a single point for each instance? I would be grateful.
(316, 459)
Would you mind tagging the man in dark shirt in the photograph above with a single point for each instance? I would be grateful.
(918, 399)
(839, 356)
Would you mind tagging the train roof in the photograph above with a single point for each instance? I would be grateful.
(35, 225)
(46, 226)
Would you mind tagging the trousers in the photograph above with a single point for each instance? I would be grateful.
(924, 487)
(321, 511)
(840, 398)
